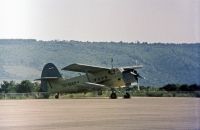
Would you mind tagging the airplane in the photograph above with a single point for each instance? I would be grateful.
(95, 79)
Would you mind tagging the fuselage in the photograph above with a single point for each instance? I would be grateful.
(112, 78)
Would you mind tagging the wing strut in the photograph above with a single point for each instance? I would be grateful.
(87, 77)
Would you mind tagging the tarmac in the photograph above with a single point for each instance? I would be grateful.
(137, 113)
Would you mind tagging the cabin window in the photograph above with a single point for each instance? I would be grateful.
(95, 79)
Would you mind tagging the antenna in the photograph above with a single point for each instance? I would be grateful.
(112, 63)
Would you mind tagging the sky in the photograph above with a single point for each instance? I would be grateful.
(101, 20)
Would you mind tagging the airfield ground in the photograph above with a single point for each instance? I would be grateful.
(138, 113)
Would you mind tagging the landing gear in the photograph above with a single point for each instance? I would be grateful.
(127, 96)
(127, 93)
(57, 96)
(113, 95)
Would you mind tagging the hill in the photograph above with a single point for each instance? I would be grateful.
(163, 63)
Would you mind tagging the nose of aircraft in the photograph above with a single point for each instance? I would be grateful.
(130, 76)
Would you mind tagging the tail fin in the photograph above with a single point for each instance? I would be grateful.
(49, 72)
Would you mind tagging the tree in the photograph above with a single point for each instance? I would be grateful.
(25, 87)
(170, 87)
(7, 87)
(184, 87)
(36, 87)
(194, 87)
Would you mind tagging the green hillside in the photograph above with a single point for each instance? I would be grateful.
(163, 63)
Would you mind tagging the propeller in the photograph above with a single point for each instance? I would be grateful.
(135, 74)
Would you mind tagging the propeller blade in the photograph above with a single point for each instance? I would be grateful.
(137, 74)
(141, 76)
(133, 73)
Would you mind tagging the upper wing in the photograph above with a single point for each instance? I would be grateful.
(84, 68)
(132, 67)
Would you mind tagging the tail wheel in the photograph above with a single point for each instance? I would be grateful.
(127, 96)
(113, 96)
(100, 93)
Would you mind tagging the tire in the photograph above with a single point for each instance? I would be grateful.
(113, 96)
(127, 96)
(57, 96)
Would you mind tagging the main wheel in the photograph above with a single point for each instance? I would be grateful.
(113, 96)
(57, 96)
(127, 96)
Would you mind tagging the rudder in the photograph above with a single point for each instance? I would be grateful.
(49, 72)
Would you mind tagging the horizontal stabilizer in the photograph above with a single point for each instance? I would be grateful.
(47, 78)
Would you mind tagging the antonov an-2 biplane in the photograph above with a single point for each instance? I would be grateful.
(95, 79)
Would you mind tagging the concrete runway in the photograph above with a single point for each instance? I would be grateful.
(138, 113)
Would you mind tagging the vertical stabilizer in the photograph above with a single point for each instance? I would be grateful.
(49, 72)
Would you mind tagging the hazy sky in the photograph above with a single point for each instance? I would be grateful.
(101, 20)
